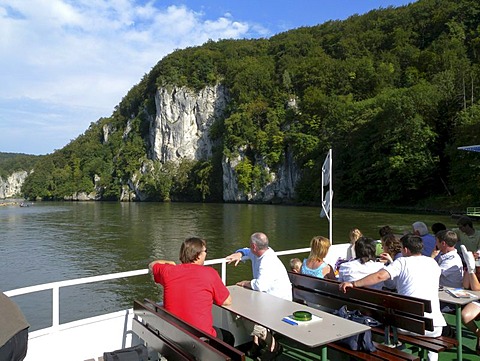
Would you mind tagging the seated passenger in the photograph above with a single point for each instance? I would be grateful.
(449, 260)
(471, 311)
(363, 265)
(392, 248)
(314, 265)
(354, 235)
(295, 265)
(420, 229)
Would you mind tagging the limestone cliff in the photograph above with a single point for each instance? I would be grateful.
(183, 118)
(180, 130)
(11, 187)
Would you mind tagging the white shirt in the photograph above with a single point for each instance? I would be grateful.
(451, 268)
(355, 270)
(418, 276)
(269, 274)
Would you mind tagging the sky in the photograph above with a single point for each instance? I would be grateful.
(66, 63)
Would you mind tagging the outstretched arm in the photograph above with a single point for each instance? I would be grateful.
(369, 280)
(160, 261)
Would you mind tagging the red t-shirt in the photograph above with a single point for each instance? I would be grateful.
(189, 292)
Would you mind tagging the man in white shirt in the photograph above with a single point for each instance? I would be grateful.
(269, 273)
(414, 275)
(269, 276)
(449, 260)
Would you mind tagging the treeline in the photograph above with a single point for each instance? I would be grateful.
(15, 162)
(394, 92)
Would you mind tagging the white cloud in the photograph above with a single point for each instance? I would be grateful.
(84, 55)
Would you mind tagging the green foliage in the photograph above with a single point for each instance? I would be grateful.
(393, 92)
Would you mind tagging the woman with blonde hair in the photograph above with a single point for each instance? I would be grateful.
(314, 265)
(354, 235)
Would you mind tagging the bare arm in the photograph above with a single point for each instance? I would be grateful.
(228, 301)
(246, 284)
(160, 261)
(369, 280)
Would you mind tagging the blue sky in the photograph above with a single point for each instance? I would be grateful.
(66, 63)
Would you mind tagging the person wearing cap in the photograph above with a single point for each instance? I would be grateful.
(13, 331)
(205, 287)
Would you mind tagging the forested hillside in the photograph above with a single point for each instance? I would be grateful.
(14, 162)
(392, 92)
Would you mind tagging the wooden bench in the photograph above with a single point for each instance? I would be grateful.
(391, 309)
(176, 339)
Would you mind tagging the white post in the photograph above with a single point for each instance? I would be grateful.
(327, 197)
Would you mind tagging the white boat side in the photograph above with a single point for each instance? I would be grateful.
(89, 338)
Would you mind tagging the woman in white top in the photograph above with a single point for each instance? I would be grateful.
(364, 263)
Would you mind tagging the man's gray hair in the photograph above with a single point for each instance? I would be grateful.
(260, 240)
(420, 227)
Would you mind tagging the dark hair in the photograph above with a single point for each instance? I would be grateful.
(191, 249)
(413, 243)
(465, 221)
(437, 227)
(449, 237)
(365, 249)
(393, 244)
(384, 231)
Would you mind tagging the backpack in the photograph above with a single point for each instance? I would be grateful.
(362, 341)
(134, 353)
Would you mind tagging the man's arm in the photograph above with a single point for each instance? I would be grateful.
(160, 261)
(237, 256)
(228, 301)
(369, 280)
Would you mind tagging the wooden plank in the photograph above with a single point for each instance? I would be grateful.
(185, 340)
(218, 344)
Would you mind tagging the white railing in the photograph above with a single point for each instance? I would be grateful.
(55, 286)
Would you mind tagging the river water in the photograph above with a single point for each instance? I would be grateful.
(52, 241)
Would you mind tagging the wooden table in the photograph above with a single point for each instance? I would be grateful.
(446, 297)
(268, 311)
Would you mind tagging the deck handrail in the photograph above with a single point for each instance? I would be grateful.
(55, 286)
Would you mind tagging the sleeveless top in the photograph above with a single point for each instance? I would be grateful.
(317, 272)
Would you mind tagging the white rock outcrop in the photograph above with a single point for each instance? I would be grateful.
(183, 118)
(12, 186)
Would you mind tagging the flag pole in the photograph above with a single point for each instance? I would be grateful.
(327, 197)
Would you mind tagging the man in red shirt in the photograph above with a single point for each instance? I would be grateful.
(190, 289)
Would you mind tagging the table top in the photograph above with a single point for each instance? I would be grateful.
(446, 297)
(268, 311)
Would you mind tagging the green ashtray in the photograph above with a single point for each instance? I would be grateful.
(302, 316)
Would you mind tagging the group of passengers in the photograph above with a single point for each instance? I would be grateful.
(416, 264)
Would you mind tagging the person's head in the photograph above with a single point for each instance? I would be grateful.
(446, 240)
(365, 249)
(258, 243)
(420, 228)
(437, 227)
(193, 250)
(319, 247)
(465, 224)
(392, 245)
(295, 265)
(384, 231)
(412, 243)
(354, 235)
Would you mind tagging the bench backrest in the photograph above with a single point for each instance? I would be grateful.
(387, 307)
(193, 340)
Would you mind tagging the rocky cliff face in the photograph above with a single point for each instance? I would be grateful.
(182, 121)
(11, 186)
(180, 129)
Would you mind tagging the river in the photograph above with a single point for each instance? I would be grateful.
(53, 241)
